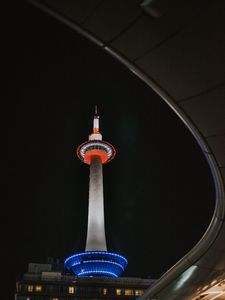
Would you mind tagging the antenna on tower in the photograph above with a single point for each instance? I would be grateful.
(96, 121)
(96, 110)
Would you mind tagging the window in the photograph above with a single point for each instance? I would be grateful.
(104, 291)
(71, 289)
(138, 292)
(38, 288)
(129, 293)
(118, 292)
(30, 288)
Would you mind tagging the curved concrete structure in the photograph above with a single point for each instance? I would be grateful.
(177, 48)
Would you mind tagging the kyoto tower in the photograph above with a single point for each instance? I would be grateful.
(96, 261)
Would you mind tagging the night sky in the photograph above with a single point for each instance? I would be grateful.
(159, 194)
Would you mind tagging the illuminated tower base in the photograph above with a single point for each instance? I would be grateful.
(96, 261)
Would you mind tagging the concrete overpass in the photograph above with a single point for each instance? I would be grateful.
(178, 49)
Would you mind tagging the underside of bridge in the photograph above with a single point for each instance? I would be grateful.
(177, 48)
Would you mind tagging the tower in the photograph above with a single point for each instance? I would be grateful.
(96, 260)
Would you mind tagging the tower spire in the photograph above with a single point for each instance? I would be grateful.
(96, 110)
(96, 121)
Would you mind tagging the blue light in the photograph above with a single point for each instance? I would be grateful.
(90, 273)
(96, 263)
(105, 261)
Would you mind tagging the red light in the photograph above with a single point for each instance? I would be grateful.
(95, 152)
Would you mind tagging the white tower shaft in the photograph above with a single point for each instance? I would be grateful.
(96, 240)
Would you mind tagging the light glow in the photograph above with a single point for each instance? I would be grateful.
(212, 291)
(96, 145)
(96, 263)
(97, 273)
(185, 276)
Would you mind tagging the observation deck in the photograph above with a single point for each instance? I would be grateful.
(102, 149)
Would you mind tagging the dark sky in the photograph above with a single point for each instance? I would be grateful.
(159, 195)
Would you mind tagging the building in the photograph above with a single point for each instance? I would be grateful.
(50, 282)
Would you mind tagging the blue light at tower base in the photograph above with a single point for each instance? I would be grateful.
(96, 264)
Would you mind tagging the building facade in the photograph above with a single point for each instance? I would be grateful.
(50, 282)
